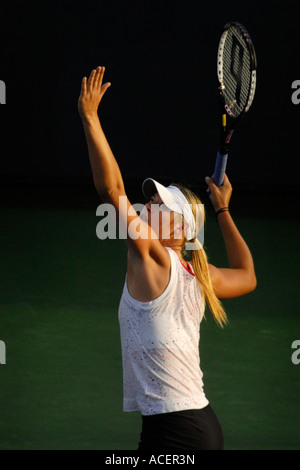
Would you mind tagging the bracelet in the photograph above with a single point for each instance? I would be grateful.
(223, 209)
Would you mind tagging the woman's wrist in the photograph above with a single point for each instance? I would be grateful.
(221, 210)
(89, 118)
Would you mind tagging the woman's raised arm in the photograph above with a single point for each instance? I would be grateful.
(106, 173)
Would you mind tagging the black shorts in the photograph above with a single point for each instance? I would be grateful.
(182, 430)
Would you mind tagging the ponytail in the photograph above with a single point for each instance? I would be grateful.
(199, 262)
(200, 266)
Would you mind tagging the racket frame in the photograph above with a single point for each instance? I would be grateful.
(226, 130)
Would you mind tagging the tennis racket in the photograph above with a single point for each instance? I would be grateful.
(236, 69)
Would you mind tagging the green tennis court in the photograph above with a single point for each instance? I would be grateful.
(61, 386)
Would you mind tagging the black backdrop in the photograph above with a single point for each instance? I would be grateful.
(160, 112)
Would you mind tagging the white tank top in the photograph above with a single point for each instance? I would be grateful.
(160, 346)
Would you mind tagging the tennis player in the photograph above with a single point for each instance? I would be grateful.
(164, 295)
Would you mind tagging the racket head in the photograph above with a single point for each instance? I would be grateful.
(236, 69)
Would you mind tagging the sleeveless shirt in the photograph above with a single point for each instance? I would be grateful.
(160, 346)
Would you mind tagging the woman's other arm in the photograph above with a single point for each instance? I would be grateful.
(239, 278)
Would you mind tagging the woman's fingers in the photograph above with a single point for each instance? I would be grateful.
(91, 79)
(97, 80)
(210, 183)
(83, 86)
(220, 196)
(104, 88)
(92, 92)
(93, 85)
(98, 77)
(102, 70)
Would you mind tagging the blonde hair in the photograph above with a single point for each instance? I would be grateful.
(199, 261)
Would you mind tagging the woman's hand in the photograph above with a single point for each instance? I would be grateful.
(92, 92)
(219, 195)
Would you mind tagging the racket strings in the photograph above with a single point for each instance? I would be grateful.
(236, 72)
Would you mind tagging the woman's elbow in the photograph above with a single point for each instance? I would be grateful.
(109, 193)
(252, 283)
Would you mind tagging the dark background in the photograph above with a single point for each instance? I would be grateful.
(160, 115)
(60, 286)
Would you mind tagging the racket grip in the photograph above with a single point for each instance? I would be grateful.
(220, 169)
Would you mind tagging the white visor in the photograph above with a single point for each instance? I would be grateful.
(175, 201)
